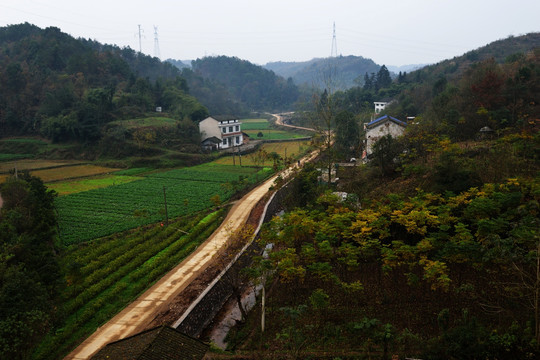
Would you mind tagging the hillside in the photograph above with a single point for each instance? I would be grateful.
(68, 89)
(430, 250)
(251, 86)
(495, 86)
(348, 68)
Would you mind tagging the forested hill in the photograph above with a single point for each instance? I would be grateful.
(496, 85)
(254, 87)
(351, 70)
(67, 89)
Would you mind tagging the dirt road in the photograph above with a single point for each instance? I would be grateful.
(138, 314)
(279, 121)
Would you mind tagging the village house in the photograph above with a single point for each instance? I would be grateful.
(379, 106)
(221, 132)
(382, 126)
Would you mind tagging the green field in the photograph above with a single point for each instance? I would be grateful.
(290, 149)
(271, 134)
(8, 157)
(110, 273)
(253, 127)
(255, 124)
(103, 211)
(75, 186)
(153, 121)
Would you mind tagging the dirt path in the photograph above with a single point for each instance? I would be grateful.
(138, 314)
(279, 121)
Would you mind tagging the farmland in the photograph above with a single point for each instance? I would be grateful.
(86, 184)
(103, 211)
(106, 276)
(293, 149)
(256, 127)
(153, 121)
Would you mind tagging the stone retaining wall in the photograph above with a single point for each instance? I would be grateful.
(201, 313)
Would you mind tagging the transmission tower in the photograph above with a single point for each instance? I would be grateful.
(333, 52)
(140, 35)
(156, 43)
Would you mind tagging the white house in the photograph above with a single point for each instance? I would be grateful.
(221, 132)
(385, 125)
(379, 106)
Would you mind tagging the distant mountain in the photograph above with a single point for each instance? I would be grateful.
(250, 85)
(180, 64)
(405, 68)
(349, 70)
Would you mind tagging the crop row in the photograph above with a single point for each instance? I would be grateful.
(100, 212)
(133, 252)
(124, 282)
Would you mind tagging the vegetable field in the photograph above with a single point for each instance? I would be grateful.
(80, 185)
(107, 275)
(91, 214)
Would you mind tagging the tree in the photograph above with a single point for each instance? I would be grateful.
(385, 154)
(347, 134)
(383, 78)
(29, 271)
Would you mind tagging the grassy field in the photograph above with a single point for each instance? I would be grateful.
(8, 157)
(80, 185)
(271, 134)
(156, 121)
(253, 127)
(255, 124)
(68, 172)
(33, 164)
(294, 149)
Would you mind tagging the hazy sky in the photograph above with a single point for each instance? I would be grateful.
(391, 32)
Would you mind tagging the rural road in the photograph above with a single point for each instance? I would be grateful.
(279, 121)
(139, 313)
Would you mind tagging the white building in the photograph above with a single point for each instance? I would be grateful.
(385, 125)
(221, 132)
(379, 106)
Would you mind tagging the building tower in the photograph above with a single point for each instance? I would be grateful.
(333, 52)
(156, 43)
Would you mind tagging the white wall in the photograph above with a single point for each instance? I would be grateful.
(384, 128)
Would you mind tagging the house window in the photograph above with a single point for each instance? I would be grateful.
(237, 127)
(224, 130)
(230, 129)
(238, 139)
(225, 141)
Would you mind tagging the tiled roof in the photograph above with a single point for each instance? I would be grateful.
(224, 117)
(383, 118)
(160, 343)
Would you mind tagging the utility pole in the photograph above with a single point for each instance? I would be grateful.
(165, 201)
(156, 44)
